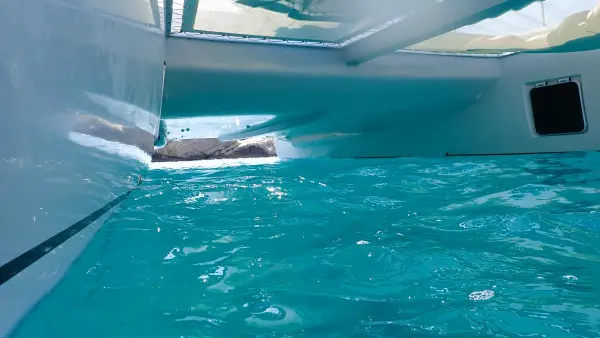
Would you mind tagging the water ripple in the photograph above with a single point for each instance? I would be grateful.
(496, 247)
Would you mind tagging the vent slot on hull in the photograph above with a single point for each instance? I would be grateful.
(557, 109)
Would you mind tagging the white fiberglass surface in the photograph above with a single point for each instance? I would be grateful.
(136, 10)
(210, 126)
(541, 25)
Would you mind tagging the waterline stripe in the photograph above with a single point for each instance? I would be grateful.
(22, 262)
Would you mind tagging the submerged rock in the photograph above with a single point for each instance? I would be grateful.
(212, 148)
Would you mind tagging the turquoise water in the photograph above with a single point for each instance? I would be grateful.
(493, 246)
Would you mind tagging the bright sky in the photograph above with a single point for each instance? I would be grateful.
(236, 18)
(530, 17)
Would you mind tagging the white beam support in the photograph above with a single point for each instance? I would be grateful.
(425, 23)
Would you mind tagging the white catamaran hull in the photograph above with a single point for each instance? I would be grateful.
(80, 96)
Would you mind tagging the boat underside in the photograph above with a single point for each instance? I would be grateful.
(400, 104)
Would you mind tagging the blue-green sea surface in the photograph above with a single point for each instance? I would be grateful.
(461, 247)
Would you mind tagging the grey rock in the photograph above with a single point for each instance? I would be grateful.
(212, 148)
